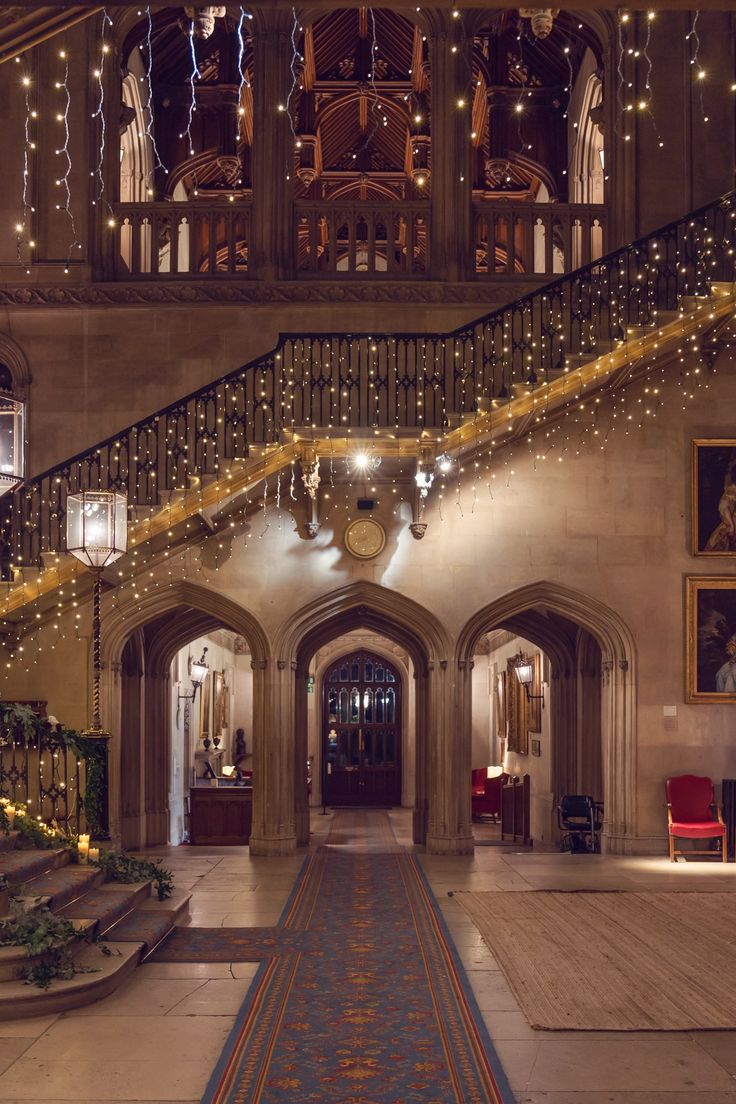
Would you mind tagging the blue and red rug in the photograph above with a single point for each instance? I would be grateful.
(361, 998)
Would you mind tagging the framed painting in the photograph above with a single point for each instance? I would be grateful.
(218, 702)
(710, 644)
(536, 747)
(501, 704)
(534, 707)
(714, 497)
(205, 707)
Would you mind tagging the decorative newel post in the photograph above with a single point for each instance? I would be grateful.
(97, 534)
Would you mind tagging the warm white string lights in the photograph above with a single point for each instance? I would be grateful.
(23, 228)
(149, 117)
(99, 113)
(65, 152)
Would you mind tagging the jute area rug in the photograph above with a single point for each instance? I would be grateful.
(614, 961)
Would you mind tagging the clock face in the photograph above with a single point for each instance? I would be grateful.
(365, 538)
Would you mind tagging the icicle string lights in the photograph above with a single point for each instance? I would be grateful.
(243, 80)
(150, 129)
(99, 113)
(23, 228)
(64, 151)
(194, 75)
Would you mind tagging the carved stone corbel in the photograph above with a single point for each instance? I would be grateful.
(311, 481)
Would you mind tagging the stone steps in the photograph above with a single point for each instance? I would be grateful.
(129, 922)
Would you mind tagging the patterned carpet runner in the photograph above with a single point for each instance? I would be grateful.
(360, 998)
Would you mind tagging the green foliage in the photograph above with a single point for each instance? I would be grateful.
(4, 822)
(120, 867)
(43, 935)
(20, 723)
(36, 833)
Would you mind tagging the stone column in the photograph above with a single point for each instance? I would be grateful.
(274, 830)
(450, 237)
(157, 758)
(421, 802)
(301, 750)
(272, 157)
(449, 767)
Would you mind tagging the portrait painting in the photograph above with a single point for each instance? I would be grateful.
(714, 497)
(218, 703)
(711, 638)
(205, 727)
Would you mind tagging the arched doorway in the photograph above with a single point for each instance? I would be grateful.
(143, 700)
(593, 697)
(361, 732)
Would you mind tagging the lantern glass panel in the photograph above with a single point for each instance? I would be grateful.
(96, 527)
(198, 673)
(12, 443)
(524, 671)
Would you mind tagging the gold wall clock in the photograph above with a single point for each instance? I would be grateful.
(365, 538)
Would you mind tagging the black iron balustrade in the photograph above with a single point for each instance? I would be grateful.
(336, 382)
(43, 773)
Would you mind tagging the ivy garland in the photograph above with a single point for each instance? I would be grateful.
(20, 723)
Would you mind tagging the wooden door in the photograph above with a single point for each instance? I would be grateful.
(361, 743)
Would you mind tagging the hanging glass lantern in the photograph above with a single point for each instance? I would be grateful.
(97, 527)
(12, 443)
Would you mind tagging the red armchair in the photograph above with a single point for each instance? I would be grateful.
(486, 794)
(692, 813)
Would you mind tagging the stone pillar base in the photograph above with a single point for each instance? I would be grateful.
(621, 844)
(303, 827)
(450, 845)
(419, 825)
(272, 847)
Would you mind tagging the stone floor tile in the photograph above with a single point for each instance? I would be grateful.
(214, 998)
(11, 1049)
(626, 1098)
(643, 1064)
(82, 1080)
(720, 1045)
(26, 1029)
(140, 1038)
(140, 995)
(203, 970)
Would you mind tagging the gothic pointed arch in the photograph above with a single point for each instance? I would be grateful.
(618, 691)
(15, 375)
(213, 608)
(363, 604)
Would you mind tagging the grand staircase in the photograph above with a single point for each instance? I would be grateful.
(413, 396)
(122, 924)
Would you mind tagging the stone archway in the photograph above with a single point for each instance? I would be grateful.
(618, 690)
(141, 743)
(440, 820)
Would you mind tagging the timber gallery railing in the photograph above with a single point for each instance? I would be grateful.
(341, 382)
(167, 241)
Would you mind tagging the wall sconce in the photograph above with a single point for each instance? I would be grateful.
(525, 673)
(197, 673)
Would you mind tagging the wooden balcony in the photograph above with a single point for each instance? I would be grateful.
(363, 239)
(537, 239)
(168, 241)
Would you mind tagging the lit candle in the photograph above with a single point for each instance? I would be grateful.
(10, 812)
(94, 854)
(83, 847)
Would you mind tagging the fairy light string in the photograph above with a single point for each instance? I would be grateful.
(64, 151)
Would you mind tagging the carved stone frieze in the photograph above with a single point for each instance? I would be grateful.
(153, 294)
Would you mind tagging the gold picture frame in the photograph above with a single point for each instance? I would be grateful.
(713, 507)
(534, 706)
(710, 639)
